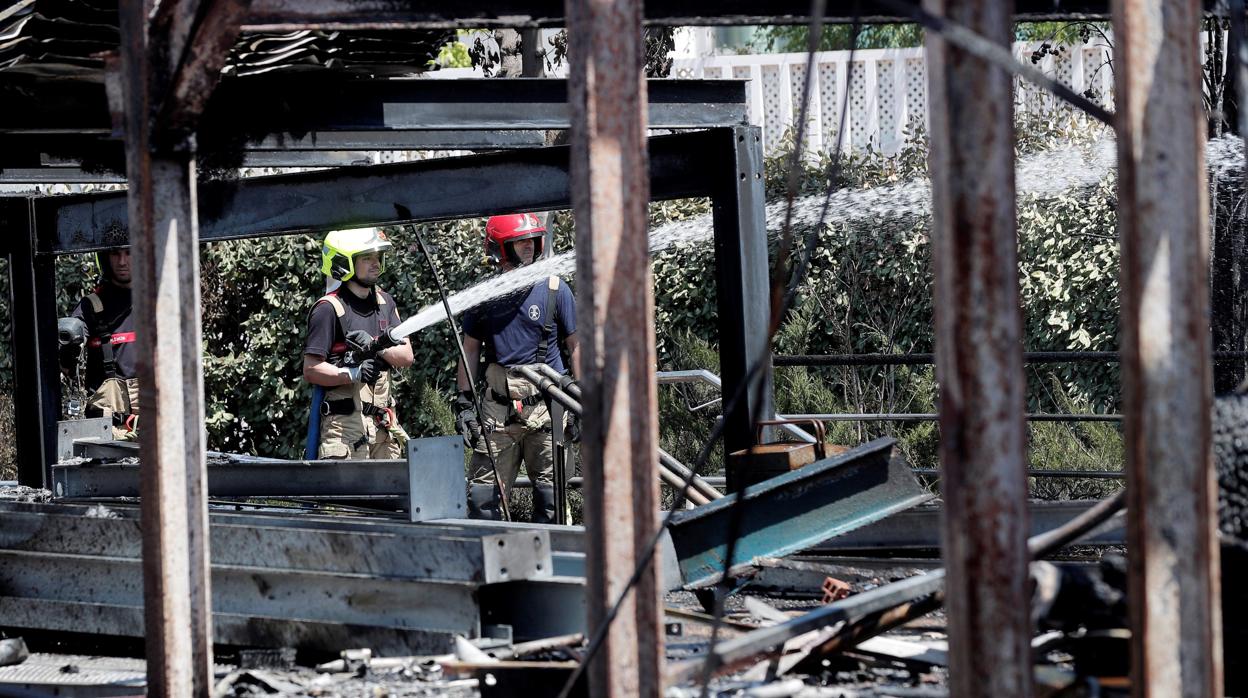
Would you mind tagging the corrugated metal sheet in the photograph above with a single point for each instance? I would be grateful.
(73, 670)
(66, 39)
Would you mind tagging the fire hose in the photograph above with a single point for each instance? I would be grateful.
(671, 471)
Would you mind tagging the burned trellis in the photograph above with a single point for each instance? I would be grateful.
(170, 60)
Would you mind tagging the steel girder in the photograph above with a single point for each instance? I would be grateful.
(290, 581)
(296, 105)
(794, 511)
(441, 189)
(280, 15)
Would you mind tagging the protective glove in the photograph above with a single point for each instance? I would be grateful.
(466, 419)
(367, 372)
(366, 344)
(360, 341)
(572, 428)
(70, 331)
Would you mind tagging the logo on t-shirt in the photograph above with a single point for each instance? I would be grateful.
(534, 312)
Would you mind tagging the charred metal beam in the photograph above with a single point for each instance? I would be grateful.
(432, 462)
(246, 591)
(979, 357)
(291, 146)
(447, 188)
(57, 175)
(281, 15)
(1176, 630)
(301, 104)
(161, 201)
(610, 189)
(744, 289)
(298, 107)
(429, 553)
(294, 479)
(795, 511)
(919, 528)
(283, 581)
(36, 382)
(333, 149)
(210, 31)
(78, 616)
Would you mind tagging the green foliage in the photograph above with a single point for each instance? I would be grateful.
(453, 55)
(796, 37)
(868, 290)
(687, 411)
(1074, 446)
(1080, 32)
(837, 37)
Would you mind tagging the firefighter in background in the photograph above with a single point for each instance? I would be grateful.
(349, 350)
(520, 329)
(103, 321)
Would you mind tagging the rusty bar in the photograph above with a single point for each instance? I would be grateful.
(32, 333)
(199, 67)
(164, 238)
(979, 357)
(610, 189)
(1167, 382)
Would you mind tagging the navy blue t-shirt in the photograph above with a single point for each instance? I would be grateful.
(513, 325)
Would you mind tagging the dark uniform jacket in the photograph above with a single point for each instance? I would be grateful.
(111, 347)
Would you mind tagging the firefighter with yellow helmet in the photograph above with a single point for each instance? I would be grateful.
(350, 352)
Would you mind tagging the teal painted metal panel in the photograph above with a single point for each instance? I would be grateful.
(795, 511)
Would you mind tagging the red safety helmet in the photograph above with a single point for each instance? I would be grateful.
(501, 231)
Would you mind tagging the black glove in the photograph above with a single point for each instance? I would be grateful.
(367, 372)
(385, 340)
(466, 418)
(361, 342)
(70, 331)
(366, 344)
(572, 428)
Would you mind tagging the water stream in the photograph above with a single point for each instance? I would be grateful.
(1043, 174)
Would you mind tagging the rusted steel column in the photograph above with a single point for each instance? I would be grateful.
(610, 190)
(979, 358)
(1167, 382)
(165, 252)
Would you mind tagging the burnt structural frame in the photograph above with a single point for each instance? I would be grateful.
(723, 164)
(306, 120)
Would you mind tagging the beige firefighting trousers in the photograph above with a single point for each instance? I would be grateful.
(524, 437)
(358, 436)
(116, 396)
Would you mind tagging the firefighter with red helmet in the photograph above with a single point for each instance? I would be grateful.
(103, 322)
(521, 329)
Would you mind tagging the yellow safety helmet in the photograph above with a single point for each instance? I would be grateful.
(341, 246)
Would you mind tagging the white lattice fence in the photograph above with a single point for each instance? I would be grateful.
(887, 94)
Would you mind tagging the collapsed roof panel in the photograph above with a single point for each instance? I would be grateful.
(66, 39)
